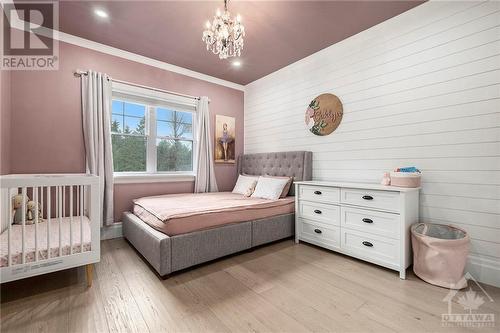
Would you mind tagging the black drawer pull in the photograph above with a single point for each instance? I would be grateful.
(317, 192)
(317, 211)
(367, 197)
(365, 243)
(367, 220)
(317, 231)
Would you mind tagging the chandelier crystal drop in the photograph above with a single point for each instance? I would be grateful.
(224, 36)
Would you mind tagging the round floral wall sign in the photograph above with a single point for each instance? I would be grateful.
(324, 114)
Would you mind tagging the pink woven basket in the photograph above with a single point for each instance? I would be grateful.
(405, 179)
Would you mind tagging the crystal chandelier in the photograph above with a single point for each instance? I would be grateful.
(224, 36)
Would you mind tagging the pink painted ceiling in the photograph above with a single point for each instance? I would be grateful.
(278, 32)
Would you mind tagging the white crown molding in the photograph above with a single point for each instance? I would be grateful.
(88, 44)
(91, 45)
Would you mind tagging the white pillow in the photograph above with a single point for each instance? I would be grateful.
(245, 185)
(269, 188)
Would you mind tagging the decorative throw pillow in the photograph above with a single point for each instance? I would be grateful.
(245, 185)
(269, 188)
(286, 189)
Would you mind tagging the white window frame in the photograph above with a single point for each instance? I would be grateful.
(137, 95)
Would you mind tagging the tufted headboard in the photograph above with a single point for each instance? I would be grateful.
(296, 164)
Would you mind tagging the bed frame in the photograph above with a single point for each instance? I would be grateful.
(169, 254)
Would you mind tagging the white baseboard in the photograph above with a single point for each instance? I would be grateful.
(484, 270)
(113, 231)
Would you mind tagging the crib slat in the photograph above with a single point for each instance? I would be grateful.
(71, 219)
(35, 199)
(23, 219)
(9, 241)
(56, 207)
(78, 200)
(81, 218)
(64, 201)
(49, 196)
(59, 204)
(41, 200)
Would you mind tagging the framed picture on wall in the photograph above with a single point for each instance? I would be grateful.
(225, 139)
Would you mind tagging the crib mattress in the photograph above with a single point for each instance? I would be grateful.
(16, 240)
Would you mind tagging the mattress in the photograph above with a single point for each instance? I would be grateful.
(177, 214)
(16, 239)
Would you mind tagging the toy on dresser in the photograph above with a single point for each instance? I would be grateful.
(386, 179)
(402, 177)
(30, 210)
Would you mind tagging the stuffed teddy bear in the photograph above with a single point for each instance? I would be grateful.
(17, 202)
(31, 211)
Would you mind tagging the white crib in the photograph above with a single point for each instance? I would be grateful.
(63, 231)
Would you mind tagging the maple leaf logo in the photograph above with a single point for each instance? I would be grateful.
(470, 301)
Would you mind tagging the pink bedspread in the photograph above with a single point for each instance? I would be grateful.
(176, 214)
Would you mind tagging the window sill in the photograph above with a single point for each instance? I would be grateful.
(142, 178)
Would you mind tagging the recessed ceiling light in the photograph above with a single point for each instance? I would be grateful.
(236, 63)
(101, 13)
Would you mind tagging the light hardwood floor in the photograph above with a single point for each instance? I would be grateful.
(282, 287)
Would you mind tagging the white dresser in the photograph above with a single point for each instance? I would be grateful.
(367, 221)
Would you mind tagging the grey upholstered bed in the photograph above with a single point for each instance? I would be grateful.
(169, 254)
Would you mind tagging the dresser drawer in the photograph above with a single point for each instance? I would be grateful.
(369, 247)
(384, 200)
(328, 214)
(372, 222)
(319, 193)
(319, 234)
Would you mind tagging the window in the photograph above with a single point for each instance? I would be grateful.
(151, 135)
(128, 136)
(174, 140)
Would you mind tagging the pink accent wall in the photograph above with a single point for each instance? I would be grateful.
(5, 114)
(46, 125)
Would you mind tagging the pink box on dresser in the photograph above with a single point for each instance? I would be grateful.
(405, 179)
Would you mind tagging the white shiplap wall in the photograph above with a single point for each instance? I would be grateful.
(420, 89)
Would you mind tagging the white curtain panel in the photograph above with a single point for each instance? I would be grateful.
(96, 109)
(205, 173)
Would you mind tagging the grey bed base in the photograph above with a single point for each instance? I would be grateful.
(169, 254)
